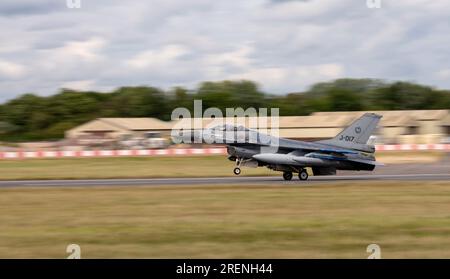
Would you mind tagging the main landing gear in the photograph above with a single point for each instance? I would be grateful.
(302, 175)
(287, 175)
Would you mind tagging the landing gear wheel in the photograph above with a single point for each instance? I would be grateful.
(303, 175)
(237, 171)
(287, 175)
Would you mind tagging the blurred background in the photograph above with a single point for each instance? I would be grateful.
(74, 73)
(139, 117)
(87, 89)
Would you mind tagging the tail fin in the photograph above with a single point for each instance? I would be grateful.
(357, 134)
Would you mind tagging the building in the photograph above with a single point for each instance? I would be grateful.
(115, 128)
(396, 127)
(406, 126)
(312, 127)
(446, 124)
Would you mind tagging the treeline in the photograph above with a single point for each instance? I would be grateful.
(32, 117)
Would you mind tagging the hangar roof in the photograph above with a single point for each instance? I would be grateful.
(250, 122)
(395, 117)
(446, 120)
(95, 125)
(314, 121)
(265, 122)
(133, 124)
(417, 114)
(141, 123)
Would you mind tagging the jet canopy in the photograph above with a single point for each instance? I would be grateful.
(229, 128)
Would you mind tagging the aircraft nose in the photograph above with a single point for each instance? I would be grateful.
(208, 136)
(197, 136)
(187, 136)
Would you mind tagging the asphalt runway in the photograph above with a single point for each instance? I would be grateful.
(238, 180)
(406, 172)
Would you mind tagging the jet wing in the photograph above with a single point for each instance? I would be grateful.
(253, 138)
(299, 145)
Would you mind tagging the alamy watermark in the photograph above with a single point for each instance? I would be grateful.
(238, 126)
(74, 251)
(374, 250)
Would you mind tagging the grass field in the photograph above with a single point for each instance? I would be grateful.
(407, 219)
(121, 167)
(182, 166)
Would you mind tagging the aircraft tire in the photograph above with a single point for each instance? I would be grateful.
(287, 175)
(303, 175)
(237, 171)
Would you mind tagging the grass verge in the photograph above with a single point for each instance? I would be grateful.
(407, 219)
(142, 167)
(121, 167)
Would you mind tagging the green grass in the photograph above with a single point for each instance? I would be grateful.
(407, 219)
(121, 167)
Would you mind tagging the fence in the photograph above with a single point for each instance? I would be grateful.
(183, 152)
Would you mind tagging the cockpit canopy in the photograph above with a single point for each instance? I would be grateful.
(229, 128)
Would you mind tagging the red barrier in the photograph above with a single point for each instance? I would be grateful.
(183, 152)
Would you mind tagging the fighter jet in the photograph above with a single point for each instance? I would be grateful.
(349, 150)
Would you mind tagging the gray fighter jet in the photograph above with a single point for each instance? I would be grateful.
(349, 150)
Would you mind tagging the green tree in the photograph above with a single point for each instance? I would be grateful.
(33, 117)
(140, 102)
(343, 100)
(227, 94)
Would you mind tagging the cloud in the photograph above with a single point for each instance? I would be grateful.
(443, 74)
(157, 58)
(292, 77)
(11, 8)
(285, 46)
(87, 50)
(79, 84)
(9, 70)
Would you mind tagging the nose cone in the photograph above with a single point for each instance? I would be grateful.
(208, 136)
(197, 136)
(187, 136)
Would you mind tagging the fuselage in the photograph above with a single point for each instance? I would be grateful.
(287, 158)
(347, 151)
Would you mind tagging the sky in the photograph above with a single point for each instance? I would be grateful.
(283, 45)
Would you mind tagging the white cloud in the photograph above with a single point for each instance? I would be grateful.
(284, 46)
(157, 58)
(293, 77)
(443, 74)
(236, 58)
(11, 70)
(87, 50)
(79, 84)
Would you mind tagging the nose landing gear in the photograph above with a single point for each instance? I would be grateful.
(237, 169)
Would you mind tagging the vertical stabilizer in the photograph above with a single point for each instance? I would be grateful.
(357, 134)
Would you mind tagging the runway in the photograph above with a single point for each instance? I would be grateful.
(238, 180)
